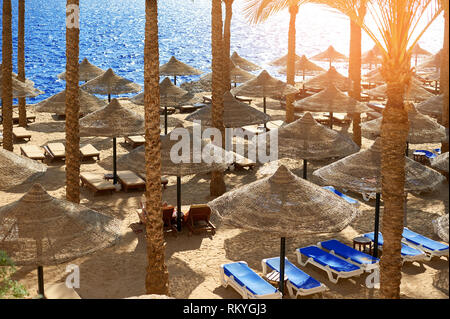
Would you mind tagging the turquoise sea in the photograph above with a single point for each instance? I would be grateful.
(112, 35)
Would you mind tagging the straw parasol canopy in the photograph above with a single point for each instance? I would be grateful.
(16, 76)
(323, 80)
(413, 92)
(235, 114)
(304, 67)
(432, 107)
(264, 85)
(283, 60)
(331, 55)
(175, 67)
(86, 71)
(243, 63)
(41, 230)
(419, 51)
(433, 62)
(332, 100)
(371, 57)
(440, 226)
(16, 169)
(22, 89)
(168, 92)
(422, 128)
(113, 120)
(110, 84)
(307, 139)
(440, 162)
(283, 204)
(57, 103)
(361, 173)
(135, 160)
(237, 75)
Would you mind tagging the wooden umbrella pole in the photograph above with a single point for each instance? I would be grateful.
(179, 203)
(377, 224)
(282, 256)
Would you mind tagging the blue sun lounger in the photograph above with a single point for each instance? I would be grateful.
(356, 257)
(429, 246)
(246, 282)
(343, 196)
(408, 253)
(330, 263)
(298, 282)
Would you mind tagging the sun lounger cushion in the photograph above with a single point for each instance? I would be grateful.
(97, 181)
(32, 151)
(347, 252)
(130, 178)
(296, 276)
(406, 250)
(326, 259)
(57, 149)
(421, 240)
(246, 277)
(20, 132)
(89, 151)
(343, 196)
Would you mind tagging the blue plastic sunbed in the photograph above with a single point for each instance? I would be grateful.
(246, 282)
(343, 196)
(328, 262)
(428, 154)
(298, 282)
(350, 254)
(429, 246)
(408, 253)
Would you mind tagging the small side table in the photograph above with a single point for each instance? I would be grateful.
(108, 176)
(363, 243)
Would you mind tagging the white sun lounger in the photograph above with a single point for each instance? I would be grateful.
(246, 282)
(331, 264)
(298, 282)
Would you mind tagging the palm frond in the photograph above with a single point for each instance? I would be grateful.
(257, 11)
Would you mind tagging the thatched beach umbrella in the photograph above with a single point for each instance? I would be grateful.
(168, 93)
(440, 226)
(41, 230)
(16, 169)
(361, 173)
(419, 51)
(27, 82)
(323, 80)
(243, 63)
(283, 204)
(57, 103)
(22, 89)
(371, 58)
(109, 84)
(331, 55)
(422, 129)
(235, 114)
(237, 75)
(86, 70)
(264, 86)
(192, 164)
(175, 67)
(432, 107)
(414, 91)
(331, 100)
(440, 162)
(283, 60)
(114, 120)
(433, 62)
(308, 140)
(304, 67)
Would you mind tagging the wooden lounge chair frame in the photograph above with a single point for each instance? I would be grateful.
(127, 187)
(199, 213)
(88, 157)
(167, 216)
(51, 155)
(24, 153)
(133, 143)
(22, 137)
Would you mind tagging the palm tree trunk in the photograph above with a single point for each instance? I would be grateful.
(72, 104)
(157, 277)
(394, 132)
(445, 73)
(7, 96)
(354, 71)
(217, 186)
(290, 68)
(226, 44)
(21, 61)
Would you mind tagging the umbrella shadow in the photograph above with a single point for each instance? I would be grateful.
(47, 127)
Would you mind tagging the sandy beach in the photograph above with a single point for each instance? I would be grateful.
(193, 261)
